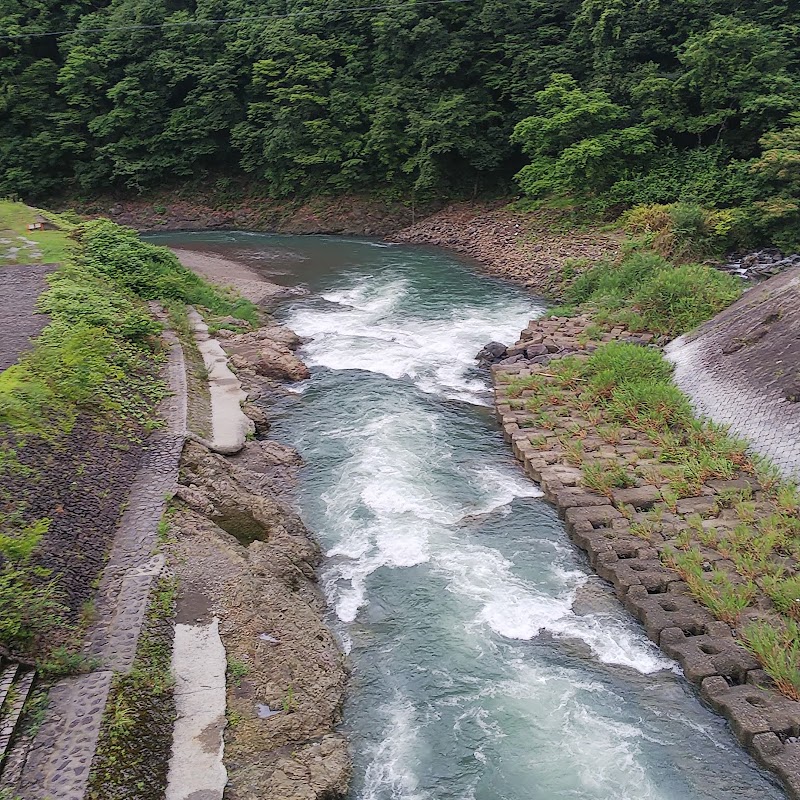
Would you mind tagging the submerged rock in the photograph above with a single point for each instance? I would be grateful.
(491, 353)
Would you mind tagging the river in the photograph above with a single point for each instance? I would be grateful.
(488, 662)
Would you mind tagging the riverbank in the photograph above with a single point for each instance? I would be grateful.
(246, 564)
(347, 215)
(530, 248)
(679, 547)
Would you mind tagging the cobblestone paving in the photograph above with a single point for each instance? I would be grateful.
(738, 368)
(60, 759)
(20, 286)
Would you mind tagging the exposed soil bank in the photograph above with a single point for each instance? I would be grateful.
(526, 248)
(242, 555)
(626, 532)
(353, 215)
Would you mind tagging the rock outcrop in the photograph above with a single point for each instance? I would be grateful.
(245, 557)
(268, 352)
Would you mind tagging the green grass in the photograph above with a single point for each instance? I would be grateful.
(603, 477)
(630, 387)
(777, 647)
(645, 292)
(54, 245)
(725, 598)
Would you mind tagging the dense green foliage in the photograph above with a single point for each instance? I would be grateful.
(620, 102)
(92, 353)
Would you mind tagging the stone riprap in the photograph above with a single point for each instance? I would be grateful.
(20, 286)
(742, 368)
(761, 264)
(624, 546)
(60, 758)
(519, 246)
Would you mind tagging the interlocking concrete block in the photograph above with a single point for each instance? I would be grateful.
(667, 610)
(707, 655)
(752, 710)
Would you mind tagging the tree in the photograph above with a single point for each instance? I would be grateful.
(580, 141)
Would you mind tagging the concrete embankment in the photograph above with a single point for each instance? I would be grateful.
(742, 368)
(58, 764)
(628, 534)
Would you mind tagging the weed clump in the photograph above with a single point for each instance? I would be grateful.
(644, 291)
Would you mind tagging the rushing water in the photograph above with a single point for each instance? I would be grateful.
(488, 663)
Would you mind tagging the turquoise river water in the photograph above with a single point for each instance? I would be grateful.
(488, 662)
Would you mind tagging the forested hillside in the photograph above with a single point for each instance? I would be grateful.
(619, 101)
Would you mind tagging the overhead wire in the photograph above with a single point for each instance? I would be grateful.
(224, 20)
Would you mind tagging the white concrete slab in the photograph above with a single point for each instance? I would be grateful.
(230, 426)
(198, 664)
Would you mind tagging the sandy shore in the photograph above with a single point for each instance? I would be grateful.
(232, 274)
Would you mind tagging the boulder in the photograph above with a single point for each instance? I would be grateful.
(491, 353)
(276, 361)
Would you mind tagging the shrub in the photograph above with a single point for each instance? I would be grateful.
(151, 272)
(649, 404)
(616, 281)
(682, 231)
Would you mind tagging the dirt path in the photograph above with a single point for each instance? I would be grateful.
(20, 286)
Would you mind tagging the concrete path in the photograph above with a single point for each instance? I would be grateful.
(20, 287)
(60, 758)
(199, 664)
(740, 367)
(230, 426)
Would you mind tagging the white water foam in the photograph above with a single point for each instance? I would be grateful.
(386, 507)
(516, 610)
(365, 328)
(583, 752)
(390, 772)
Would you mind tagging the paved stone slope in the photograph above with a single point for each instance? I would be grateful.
(20, 286)
(742, 368)
(60, 759)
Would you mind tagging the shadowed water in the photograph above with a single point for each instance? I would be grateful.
(488, 663)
